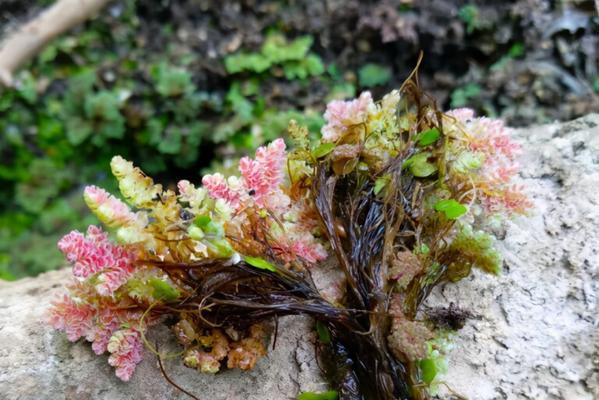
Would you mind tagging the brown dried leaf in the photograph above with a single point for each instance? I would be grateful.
(405, 265)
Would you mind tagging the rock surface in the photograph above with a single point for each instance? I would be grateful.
(38, 363)
(536, 336)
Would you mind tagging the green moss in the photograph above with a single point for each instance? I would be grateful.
(471, 249)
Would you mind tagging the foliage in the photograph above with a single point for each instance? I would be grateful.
(451, 208)
(381, 195)
(472, 249)
(328, 395)
(373, 75)
(428, 137)
(435, 365)
(461, 96)
(292, 56)
(469, 14)
(79, 102)
(154, 78)
(516, 51)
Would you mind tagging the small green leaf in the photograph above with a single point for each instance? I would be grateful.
(451, 208)
(473, 249)
(220, 247)
(374, 75)
(276, 49)
(202, 221)
(48, 54)
(27, 87)
(171, 142)
(470, 15)
(295, 70)
(419, 165)
(259, 263)
(195, 232)
(422, 170)
(103, 105)
(314, 65)
(380, 183)
(343, 90)
(162, 290)
(171, 81)
(322, 150)
(239, 104)
(214, 229)
(329, 395)
(78, 130)
(429, 370)
(428, 137)
(311, 65)
(323, 333)
(348, 166)
(461, 96)
(517, 50)
(246, 62)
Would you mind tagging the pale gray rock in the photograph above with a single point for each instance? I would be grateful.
(536, 336)
(39, 363)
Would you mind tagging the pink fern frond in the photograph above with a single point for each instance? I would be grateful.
(262, 176)
(95, 253)
(75, 319)
(109, 209)
(340, 115)
(218, 188)
(126, 349)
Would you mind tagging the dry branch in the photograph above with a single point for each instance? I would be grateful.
(31, 38)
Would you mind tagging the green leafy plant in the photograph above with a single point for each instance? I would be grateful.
(517, 50)
(428, 137)
(373, 75)
(171, 81)
(451, 208)
(293, 56)
(461, 96)
(469, 14)
(252, 123)
(382, 198)
(329, 395)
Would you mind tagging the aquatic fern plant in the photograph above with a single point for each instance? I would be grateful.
(355, 231)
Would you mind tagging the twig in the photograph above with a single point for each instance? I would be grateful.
(31, 38)
(170, 380)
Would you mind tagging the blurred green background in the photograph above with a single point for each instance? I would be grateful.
(182, 87)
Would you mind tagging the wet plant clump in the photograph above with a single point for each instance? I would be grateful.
(354, 230)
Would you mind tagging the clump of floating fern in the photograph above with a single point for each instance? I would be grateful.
(354, 230)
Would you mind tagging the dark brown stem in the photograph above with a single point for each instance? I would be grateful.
(169, 380)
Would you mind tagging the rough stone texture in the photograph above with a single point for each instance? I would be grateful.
(536, 336)
(37, 363)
